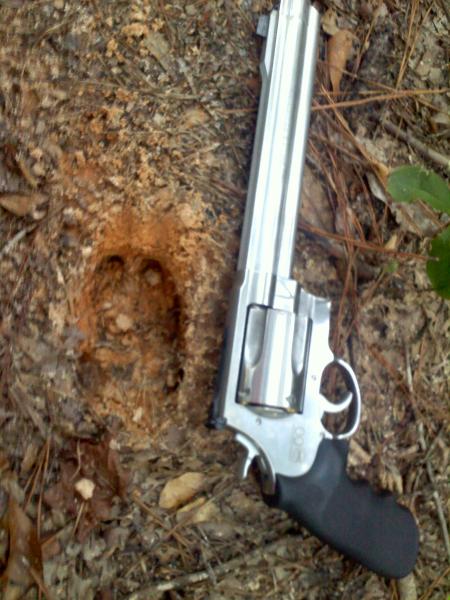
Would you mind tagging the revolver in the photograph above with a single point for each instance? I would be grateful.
(276, 338)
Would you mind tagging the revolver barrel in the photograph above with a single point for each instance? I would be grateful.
(287, 70)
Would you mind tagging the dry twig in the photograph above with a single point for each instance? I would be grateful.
(234, 563)
(363, 245)
(436, 497)
(379, 98)
(16, 239)
(406, 136)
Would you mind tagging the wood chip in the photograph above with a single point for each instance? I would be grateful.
(21, 205)
(181, 489)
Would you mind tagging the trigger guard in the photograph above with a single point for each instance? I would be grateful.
(331, 407)
(352, 400)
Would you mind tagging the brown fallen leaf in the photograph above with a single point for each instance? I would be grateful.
(340, 47)
(315, 209)
(155, 43)
(24, 556)
(97, 464)
(21, 204)
(181, 489)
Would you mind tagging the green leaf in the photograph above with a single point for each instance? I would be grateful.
(391, 267)
(410, 183)
(439, 270)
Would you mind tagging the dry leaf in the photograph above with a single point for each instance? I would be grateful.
(329, 22)
(97, 463)
(181, 489)
(24, 553)
(315, 209)
(135, 30)
(158, 47)
(340, 47)
(21, 204)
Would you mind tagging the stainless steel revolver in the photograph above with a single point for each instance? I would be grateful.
(276, 340)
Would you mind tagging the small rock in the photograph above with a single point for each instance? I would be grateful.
(123, 322)
(137, 416)
(191, 507)
(153, 277)
(181, 489)
(38, 169)
(198, 511)
(85, 487)
(219, 531)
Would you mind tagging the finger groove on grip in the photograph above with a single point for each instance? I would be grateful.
(371, 528)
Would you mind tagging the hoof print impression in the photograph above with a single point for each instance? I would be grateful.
(129, 313)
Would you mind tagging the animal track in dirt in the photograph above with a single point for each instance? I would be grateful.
(130, 314)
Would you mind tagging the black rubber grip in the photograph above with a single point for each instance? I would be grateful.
(371, 528)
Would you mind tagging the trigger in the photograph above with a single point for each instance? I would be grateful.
(251, 452)
(343, 404)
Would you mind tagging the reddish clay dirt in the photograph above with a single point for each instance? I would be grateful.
(130, 315)
(132, 312)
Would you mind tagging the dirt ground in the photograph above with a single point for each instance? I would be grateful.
(126, 131)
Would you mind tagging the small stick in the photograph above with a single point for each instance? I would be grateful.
(15, 240)
(35, 477)
(370, 99)
(40, 584)
(436, 497)
(435, 583)
(221, 569)
(442, 521)
(405, 136)
(44, 475)
(78, 519)
(367, 246)
(160, 522)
